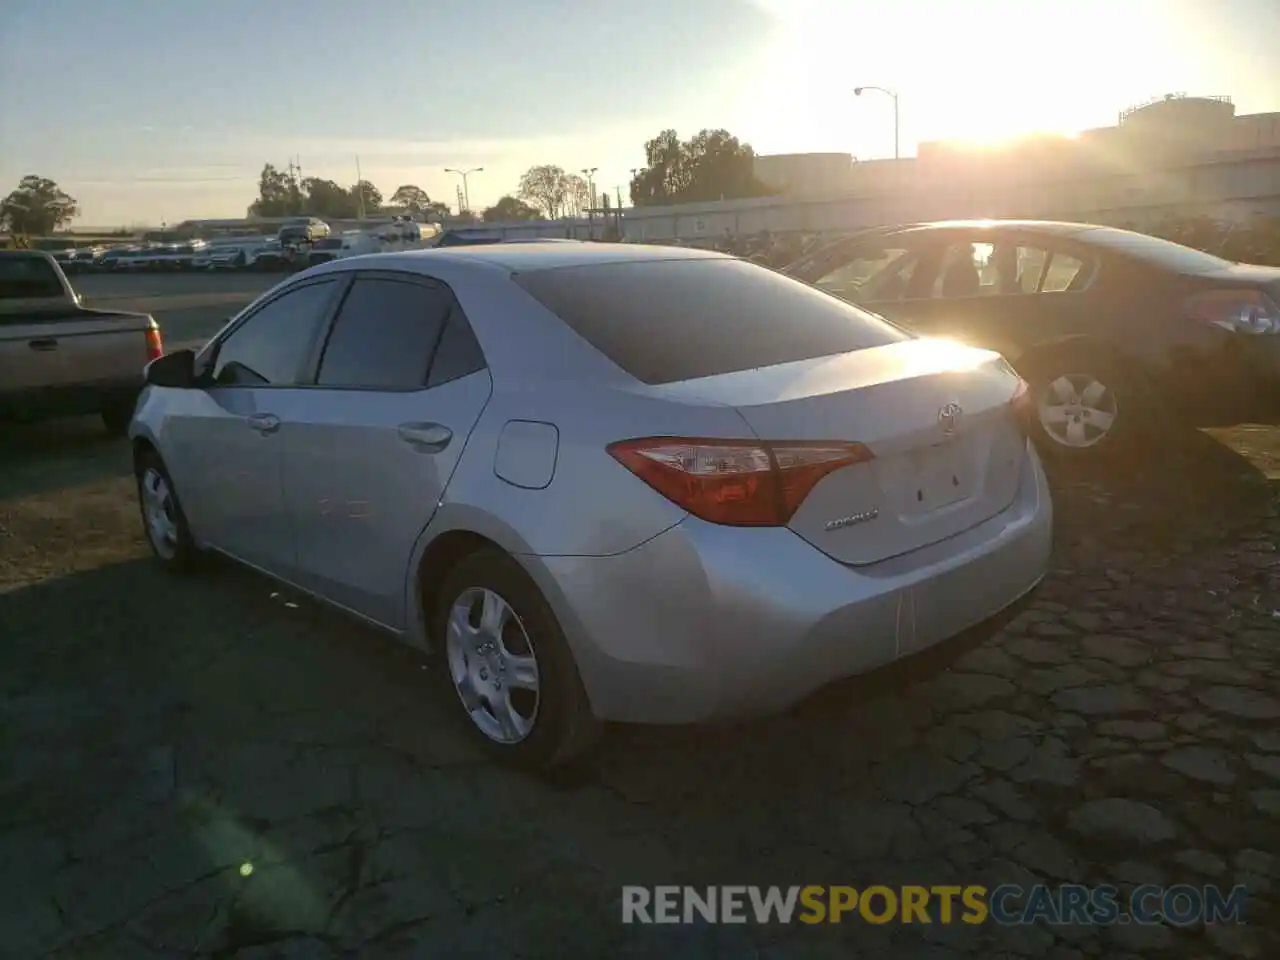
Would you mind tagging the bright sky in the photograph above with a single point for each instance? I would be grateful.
(150, 110)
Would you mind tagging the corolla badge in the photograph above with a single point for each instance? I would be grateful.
(949, 418)
(856, 518)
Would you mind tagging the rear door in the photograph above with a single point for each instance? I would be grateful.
(1005, 293)
(370, 446)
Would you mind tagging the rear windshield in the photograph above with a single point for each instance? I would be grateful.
(1162, 253)
(26, 278)
(664, 321)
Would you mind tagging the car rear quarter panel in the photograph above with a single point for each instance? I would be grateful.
(593, 506)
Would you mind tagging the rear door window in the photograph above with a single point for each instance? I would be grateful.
(669, 320)
(1063, 273)
(385, 335)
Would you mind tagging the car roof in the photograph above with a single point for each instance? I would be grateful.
(524, 257)
(1060, 228)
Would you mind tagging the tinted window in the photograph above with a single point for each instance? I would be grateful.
(849, 278)
(272, 345)
(384, 335)
(1064, 272)
(1162, 253)
(668, 320)
(23, 278)
(458, 353)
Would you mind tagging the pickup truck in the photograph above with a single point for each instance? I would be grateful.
(60, 358)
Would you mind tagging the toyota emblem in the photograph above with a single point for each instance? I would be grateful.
(949, 418)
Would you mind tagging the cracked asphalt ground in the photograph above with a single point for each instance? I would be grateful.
(215, 767)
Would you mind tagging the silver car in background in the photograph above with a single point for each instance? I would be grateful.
(607, 482)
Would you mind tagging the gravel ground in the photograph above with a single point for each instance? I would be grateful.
(213, 767)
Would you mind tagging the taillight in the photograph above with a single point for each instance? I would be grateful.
(1240, 311)
(155, 346)
(740, 483)
(1024, 408)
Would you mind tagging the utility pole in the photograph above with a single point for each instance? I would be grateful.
(590, 173)
(462, 203)
(466, 189)
(360, 187)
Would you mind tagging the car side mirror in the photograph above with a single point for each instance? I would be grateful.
(175, 369)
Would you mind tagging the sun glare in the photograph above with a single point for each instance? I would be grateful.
(957, 70)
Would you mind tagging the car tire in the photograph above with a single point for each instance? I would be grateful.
(486, 675)
(170, 543)
(1086, 404)
(116, 415)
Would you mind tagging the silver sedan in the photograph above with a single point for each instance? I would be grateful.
(605, 482)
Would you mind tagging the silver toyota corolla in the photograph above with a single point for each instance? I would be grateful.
(606, 482)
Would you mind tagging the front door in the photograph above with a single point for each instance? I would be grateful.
(226, 436)
(368, 450)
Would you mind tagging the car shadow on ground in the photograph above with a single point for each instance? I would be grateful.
(54, 455)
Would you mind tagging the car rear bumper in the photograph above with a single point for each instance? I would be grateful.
(705, 622)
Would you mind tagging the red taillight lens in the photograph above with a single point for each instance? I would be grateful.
(741, 483)
(1240, 311)
(1024, 408)
(155, 346)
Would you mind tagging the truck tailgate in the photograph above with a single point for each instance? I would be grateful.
(79, 347)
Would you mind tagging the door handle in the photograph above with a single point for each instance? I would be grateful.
(264, 423)
(425, 437)
(43, 345)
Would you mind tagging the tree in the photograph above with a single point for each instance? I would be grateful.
(279, 195)
(368, 193)
(714, 165)
(510, 208)
(546, 187)
(325, 198)
(577, 195)
(412, 198)
(37, 207)
(437, 210)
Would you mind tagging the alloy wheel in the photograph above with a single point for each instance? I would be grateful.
(160, 512)
(1077, 410)
(493, 665)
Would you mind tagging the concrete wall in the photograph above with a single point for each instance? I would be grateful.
(1228, 186)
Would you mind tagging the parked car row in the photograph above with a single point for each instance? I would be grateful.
(299, 243)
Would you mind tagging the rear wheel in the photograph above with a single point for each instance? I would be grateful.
(1087, 405)
(508, 666)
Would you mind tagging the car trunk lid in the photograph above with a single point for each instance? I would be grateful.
(947, 447)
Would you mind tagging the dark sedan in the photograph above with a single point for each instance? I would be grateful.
(1117, 332)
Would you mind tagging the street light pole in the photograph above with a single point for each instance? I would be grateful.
(590, 173)
(857, 92)
(466, 191)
